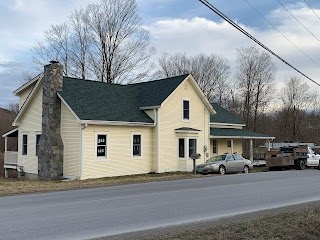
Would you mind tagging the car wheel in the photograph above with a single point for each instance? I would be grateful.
(222, 170)
(246, 169)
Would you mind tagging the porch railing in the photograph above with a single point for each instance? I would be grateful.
(11, 157)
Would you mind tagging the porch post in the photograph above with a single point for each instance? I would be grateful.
(269, 145)
(231, 146)
(5, 147)
(251, 150)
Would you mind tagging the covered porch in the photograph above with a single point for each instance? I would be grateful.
(10, 156)
(229, 140)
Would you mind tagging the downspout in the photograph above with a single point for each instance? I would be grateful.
(157, 120)
(82, 127)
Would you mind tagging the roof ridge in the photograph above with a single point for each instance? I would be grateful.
(156, 80)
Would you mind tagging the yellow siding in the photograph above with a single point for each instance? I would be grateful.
(222, 146)
(31, 124)
(119, 161)
(170, 116)
(24, 94)
(70, 133)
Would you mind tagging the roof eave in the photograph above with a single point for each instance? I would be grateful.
(27, 84)
(116, 123)
(241, 137)
(11, 131)
(149, 107)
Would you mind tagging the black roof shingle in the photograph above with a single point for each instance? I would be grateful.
(92, 100)
(224, 116)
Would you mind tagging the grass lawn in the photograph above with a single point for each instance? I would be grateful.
(23, 186)
(289, 224)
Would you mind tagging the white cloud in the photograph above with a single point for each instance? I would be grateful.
(200, 35)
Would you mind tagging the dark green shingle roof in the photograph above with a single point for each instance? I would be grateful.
(188, 129)
(231, 132)
(224, 116)
(92, 100)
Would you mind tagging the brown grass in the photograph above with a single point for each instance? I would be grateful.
(23, 186)
(291, 225)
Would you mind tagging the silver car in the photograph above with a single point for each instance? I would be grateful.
(225, 163)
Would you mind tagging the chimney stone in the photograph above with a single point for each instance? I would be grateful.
(50, 155)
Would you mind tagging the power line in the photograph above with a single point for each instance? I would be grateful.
(282, 33)
(298, 21)
(312, 9)
(214, 9)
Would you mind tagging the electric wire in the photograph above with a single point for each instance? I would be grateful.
(282, 33)
(312, 9)
(298, 21)
(215, 10)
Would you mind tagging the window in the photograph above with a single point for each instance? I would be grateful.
(192, 146)
(237, 157)
(229, 158)
(37, 143)
(24, 144)
(182, 148)
(229, 143)
(101, 145)
(214, 149)
(186, 110)
(136, 145)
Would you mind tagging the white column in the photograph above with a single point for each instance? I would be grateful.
(5, 147)
(269, 145)
(251, 150)
(232, 146)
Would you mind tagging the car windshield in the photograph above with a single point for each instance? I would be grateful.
(217, 158)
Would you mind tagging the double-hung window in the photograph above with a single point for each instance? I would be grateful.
(24, 144)
(136, 145)
(101, 148)
(192, 146)
(182, 144)
(186, 110)
(37, 143)
(214, 146)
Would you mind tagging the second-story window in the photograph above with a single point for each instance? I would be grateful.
(186, 110)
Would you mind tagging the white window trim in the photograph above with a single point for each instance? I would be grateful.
(101, 158)
(186, 147)
(24, 155)
(183, 119)
(197, 142)
(185, 144)
(141, 147)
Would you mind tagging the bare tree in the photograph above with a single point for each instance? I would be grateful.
(105, 41)
(54, 47)
(210, 71)
(255, 76)
(297, 100)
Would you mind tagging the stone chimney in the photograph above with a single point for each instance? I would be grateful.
(50, 155)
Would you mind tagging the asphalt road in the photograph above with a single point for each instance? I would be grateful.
(89, 213)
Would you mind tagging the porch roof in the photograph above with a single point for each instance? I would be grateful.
(237, 133)
(12, 133)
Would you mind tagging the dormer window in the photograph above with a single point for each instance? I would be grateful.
(186, 110)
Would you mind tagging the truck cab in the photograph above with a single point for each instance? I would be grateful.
(313, 158)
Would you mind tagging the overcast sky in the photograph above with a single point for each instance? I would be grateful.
(185, 26)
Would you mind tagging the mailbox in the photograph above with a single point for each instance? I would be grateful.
(195, 155)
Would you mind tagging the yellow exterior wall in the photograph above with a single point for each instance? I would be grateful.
(119, 151)
(24, 94)
(170, 118)
(222, 146)
(30, 124)
(70, 133)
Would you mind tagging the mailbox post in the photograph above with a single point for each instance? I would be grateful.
(194, 157)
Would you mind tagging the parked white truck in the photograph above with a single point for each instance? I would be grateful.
(313, 158)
